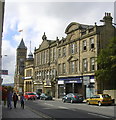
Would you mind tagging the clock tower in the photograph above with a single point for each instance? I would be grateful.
(21, 54)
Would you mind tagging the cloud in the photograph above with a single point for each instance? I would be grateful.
(8, 62)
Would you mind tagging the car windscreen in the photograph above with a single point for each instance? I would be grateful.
(77, 94)
(30, 93)
(105, 96)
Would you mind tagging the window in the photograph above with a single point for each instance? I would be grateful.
(64, 52)
(84, 65)
(91, 43)
(92, 64)
(59, 52)
(72, 48)
(84, 45)
(59, 69)
(71, 67)
(64, 68)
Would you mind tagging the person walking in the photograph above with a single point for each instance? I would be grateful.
(9, 99)
(15, 99)
(22, 99)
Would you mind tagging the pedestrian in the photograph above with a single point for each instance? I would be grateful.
(4, 95)
(15, 99)
(9, 100)
(22, 99)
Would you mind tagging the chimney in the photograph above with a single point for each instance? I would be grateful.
(107, 19)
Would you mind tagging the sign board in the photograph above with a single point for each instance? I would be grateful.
(4, 72)
(86, 80)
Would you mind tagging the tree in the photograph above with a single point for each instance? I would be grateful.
(106, 73)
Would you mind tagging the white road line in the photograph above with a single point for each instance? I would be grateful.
(98, 115)
(49, 104)
(63, 107)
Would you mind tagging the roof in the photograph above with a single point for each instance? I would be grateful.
(22, 45)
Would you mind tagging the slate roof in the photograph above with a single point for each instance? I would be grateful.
(22, 45)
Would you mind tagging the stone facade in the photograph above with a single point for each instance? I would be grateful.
(28, 73)
(68, 65)
(73, 58)
(20, 65)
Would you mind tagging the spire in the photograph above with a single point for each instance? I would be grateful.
(22, 44)
(30, 55)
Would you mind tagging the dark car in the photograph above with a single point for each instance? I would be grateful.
(44, 96)
(73, 97)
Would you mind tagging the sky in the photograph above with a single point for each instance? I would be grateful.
(52, 17)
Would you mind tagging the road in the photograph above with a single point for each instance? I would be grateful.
(57, 109)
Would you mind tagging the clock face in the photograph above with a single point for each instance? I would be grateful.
(21, 59)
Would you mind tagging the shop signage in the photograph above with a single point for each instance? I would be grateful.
(4, 72)
(74, 81)
(60, 82)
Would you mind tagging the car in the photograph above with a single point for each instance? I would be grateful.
(30, 95)
(73, 97)
(44, 96)
(37, 95)
(100, 99)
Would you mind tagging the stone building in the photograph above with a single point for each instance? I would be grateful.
(45, 66)
(73, 59)
(29, 73)
(66, 65)
(77, 55)
(20, 65)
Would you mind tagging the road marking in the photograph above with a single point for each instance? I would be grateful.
(98, 115)
(63, 107)
(49, 104)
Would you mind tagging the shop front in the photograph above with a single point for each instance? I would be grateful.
(69, 85)
(89, 83)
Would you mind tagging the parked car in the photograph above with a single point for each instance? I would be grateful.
(37, 95)
(30, 95)
(73, 97)
(100, 99)
(44, 96)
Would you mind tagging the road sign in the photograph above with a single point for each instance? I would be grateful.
(4, 72)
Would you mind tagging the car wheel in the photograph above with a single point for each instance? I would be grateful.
(88, 102)
(71, 101)
(99, 103)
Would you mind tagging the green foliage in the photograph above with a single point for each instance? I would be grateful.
(107, 63)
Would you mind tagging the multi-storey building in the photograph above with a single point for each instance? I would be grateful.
(69, 65)
(45, 66)
(28, 73)
(77, 55)
(73, 58)
(20, 65)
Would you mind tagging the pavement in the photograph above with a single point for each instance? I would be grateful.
(18, 112)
